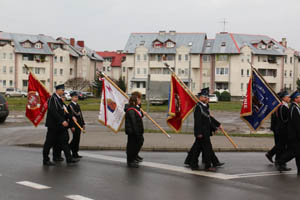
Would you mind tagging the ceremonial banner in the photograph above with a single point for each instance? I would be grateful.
(259, 103)
(37, 98)
(112, 105)
(181, 104)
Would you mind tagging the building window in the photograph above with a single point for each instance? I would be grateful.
(4, 55)
(124, 69)
(170, 44)
(138, 84)
(242, 72)
(155, 71)
(145, 57)
(38, 45)
(242, 86)
(61, 59)
(71, 71)
(159, 58)
(145, 70)
(11, 70)
(138, 57)
(61, 71)
(179, 57)
(223, 44)
(248, 72)
(4, 69)
(290, 86)
(28, 57)
(222, 57)
(37, 70)
(285, 73)
(222, 71)
(10, 83)
(186, 71)
(55, 83)
(206, 58)
(55, 58)
(104, 69)
(55, 71)
(166, 71)
(186, 57)
(11, 56)
(291, 60)
(4, 83)
(258, 58)
(25, 83)
(26, 45)
(138, 70)
(291, 73)
(144, 84)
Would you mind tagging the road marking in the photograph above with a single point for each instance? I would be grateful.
(33, 185)
(258, 174)
(164, 166)
(77, 197)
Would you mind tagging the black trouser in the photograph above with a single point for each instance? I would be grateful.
(280, 146)
(56, 136)
(74, 145)
(293, 151)
(134, 145)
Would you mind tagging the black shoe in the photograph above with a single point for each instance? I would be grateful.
(60, 159)
(48, 163)
(133, 165)
(72, 160)
(283, 168)
(195, 168)
(77, 156)
(139, 158)
(219, 164)
(269, 157)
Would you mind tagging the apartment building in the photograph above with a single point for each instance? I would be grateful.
(221, 63)
(52, 61)
(112, 64)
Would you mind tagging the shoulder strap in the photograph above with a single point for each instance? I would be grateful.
(135, 111)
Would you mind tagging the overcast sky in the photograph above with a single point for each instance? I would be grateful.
(106, 25)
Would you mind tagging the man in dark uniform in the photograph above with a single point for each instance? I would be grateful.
(74, 110)
(57, 125)
(204, 125)
(279, 125)
(293, 135)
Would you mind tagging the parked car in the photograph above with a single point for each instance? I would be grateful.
(14, 92)
(213, 98)
(3, 109)
(67, 95)
(81, 96)
(88, 94)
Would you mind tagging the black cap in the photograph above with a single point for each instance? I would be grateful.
(73, 94)
(283, 94)
(60, 87)
(295, 94)
(204, 92)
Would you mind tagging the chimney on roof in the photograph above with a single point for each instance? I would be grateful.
(162, 32)
(283, 42)
(80, 43)
(72, 42)
(172, 32)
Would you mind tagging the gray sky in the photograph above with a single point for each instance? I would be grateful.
(106, 25)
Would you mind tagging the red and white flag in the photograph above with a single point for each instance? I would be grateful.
(37, 97)
(112, 105)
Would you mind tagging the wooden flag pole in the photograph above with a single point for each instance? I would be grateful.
(197, 100)
(146, 114)
(74, 121)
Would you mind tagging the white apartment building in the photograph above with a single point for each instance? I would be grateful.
(52, 61)
(221, 63)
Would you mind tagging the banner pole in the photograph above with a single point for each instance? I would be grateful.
(197, 100)
(146, 114)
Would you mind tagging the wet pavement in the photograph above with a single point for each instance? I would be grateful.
(104, 175)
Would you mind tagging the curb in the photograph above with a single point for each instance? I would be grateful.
(155, 149)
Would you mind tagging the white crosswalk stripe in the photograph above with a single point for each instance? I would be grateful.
(33, 185)
(77, 197)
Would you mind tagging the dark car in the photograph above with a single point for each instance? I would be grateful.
(81, 96)
(3, 109)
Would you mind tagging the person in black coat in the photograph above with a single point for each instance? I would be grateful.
(204, 126)
(57, 125)
(74, 110)
(134, 129)
(279, 125)
(293, 150)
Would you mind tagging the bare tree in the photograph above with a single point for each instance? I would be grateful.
(77, 83)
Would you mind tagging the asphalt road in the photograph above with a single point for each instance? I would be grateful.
(104, 175)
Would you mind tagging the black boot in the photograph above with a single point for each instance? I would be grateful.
(269, 157)
(48, 163)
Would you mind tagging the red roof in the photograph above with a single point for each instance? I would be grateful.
(116, 57)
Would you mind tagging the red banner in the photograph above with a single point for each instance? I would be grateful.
(246, 109)
(181, 104)
(37, 104)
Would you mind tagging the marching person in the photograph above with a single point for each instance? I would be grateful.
(74, 110)
(57, 127)
(279, 125)
(293, 135)
(204, 126)
(134, 129)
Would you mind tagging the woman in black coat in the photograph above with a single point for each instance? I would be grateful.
(134, 129)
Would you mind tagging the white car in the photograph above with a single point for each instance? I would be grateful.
(67, 95)
(14, 92)
(213, 98)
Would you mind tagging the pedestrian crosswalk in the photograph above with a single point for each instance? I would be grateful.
(33, 185)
